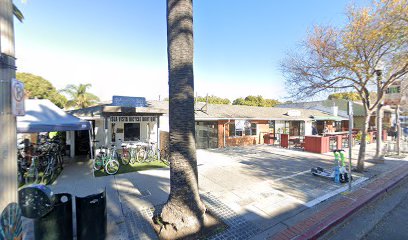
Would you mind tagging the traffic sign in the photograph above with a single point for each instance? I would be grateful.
(17, 98)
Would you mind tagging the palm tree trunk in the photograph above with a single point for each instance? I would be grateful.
(184, 209)
(363, 144)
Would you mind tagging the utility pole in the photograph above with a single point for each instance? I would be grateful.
(8, 138)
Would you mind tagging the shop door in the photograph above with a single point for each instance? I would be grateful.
(206, 135)
(82, 142)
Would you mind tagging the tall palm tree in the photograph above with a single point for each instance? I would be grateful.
(184, 210)
(79, 97)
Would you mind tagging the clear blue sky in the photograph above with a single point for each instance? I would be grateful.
(120, 46)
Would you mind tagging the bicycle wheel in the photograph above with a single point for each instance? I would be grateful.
(150, 156)
(98, 162)
(112, 167)
(125, 157)
(47, 178)
(141, 155)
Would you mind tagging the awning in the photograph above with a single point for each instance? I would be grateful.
(43, 116)
(328, 118)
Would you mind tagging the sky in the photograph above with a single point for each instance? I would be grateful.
(120, 47)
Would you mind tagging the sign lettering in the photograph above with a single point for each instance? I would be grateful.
(132, 119)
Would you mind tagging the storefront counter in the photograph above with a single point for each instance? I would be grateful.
(316, 144)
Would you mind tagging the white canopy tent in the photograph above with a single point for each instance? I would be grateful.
(41, 115)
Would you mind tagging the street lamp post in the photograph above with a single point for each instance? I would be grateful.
(8, 152)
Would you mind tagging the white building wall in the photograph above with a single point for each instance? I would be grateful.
(308, 128)
(164, 123)
(99, 132)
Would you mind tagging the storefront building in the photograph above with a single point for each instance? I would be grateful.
(234, 125)
(125, 120)
(217, 125)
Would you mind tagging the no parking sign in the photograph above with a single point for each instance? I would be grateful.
(17, 98)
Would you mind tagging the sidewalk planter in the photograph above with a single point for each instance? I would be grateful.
(91, 216)
(57, 224)
(317, 144)
(284, 140)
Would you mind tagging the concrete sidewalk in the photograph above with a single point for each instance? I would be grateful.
(314, 223)
(260, 191)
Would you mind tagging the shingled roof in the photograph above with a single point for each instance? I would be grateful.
(224, 112)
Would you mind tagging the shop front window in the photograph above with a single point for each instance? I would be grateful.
(131, 131)
(250, 131)
(233, 132)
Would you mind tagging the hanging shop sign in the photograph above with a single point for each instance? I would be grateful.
(393, 94)
(132, 119)
(17, 98)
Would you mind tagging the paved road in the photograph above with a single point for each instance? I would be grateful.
(386, 218)
(394, 224)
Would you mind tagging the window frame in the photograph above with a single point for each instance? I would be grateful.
(127, 138)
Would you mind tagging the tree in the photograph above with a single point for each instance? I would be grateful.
(17, 13)
(38, 87)
(348, 58)
(184, 212)
(79, 97)
(256, 101)
(352, 96)
(213, 100)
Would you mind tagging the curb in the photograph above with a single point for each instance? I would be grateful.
(321, 222)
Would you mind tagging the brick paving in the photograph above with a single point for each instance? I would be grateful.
(139, 227)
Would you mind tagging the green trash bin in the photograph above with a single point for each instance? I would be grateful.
(91, 218)
(57, 224)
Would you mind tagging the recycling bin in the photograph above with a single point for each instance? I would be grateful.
(91, 218)
(57, 224)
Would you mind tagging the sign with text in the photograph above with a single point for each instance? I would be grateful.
(123, 101)
(132, 119)
(17, 98)
(393, 94)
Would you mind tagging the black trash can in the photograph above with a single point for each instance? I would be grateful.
(57, 224)
(91, 218)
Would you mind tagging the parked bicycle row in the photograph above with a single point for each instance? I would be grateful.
(111, 158)
(39, 162)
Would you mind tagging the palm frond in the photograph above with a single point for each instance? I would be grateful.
(17, 13)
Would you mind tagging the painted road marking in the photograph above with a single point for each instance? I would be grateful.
(333, 193)
(291, 176)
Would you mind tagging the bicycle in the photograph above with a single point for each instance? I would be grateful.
(132, 153)
(32, 170)
(50, 169)
(107, 161)
(151, 152)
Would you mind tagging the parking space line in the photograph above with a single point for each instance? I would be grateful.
(290, 176)
(333, 193)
